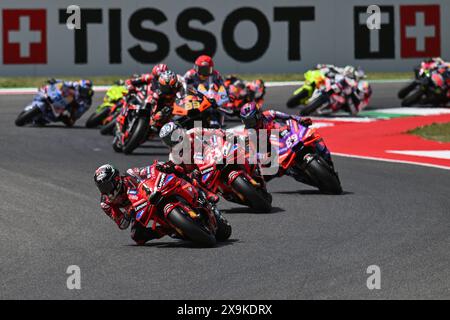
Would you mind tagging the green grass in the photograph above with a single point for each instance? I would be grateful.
(436, 131)
(31, 82)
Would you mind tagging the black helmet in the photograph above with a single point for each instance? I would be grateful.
(108, 180)
(168, 82)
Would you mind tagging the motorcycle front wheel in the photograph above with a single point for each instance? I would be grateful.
(403, 92)
(296, 99)
(413, 98)
(323, 175)
(137, 135)
(27, 116)
(257, 199)
(311, 107)
(189, 229)
(96, 119)
(108, 129)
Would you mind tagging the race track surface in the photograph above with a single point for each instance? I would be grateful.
(311, 246)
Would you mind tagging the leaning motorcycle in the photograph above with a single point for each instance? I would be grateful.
(133, 122)
(313, 80)
(195, 107)
(333, 96)
(304, 156)
(48, 106)
(104, 111)
(427, 88)
(176, 205)
(226, 170)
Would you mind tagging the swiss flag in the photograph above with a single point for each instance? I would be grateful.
(24, 36)
(420, 31)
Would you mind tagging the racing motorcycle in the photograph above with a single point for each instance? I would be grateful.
(176, 205)
(335, 95)
(133, 122)
(239, 94)
(197, 106)
(226, 170)
(429, 87)
(109, 123)
(303, 155)
(48, 105)
(313, 79)
(110, 106)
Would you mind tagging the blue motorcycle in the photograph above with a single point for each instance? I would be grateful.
(48, 106)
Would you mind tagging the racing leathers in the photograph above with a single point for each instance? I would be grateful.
(193, 79)
(75, 103)
(120, 209)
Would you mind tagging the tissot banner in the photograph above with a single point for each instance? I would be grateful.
(118, 37)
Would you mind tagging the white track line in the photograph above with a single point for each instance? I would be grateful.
(390, 160)
(19, 91)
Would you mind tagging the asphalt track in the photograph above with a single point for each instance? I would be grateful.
(312, 246)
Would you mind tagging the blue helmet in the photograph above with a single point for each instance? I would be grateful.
(85, 88)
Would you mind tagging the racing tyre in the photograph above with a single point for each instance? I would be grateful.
(257, 199)
(407, 89)
(323, 176)
(190, 229)
(96, 119)
(27, 116)
(137, 135)
(108, 129)
(117, 147)
(412, 98)
(295, 99)
(224, 229)
(314, 105)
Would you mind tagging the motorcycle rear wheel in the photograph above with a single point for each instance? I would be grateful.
(258, 200)
(27, 116)
(190, 229)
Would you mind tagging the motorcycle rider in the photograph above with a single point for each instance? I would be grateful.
(115, 199)
(240, 90)
(146, 78)
(172, 135)
(163, 94)
(203, 73)
(78, 95)
(253, 118)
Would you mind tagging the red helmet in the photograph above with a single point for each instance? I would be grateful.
(204, 65)
(159, 68)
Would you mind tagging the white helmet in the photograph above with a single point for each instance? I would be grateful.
(167, 134)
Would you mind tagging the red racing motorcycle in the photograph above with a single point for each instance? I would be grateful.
(175, 204)
(226, 170)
